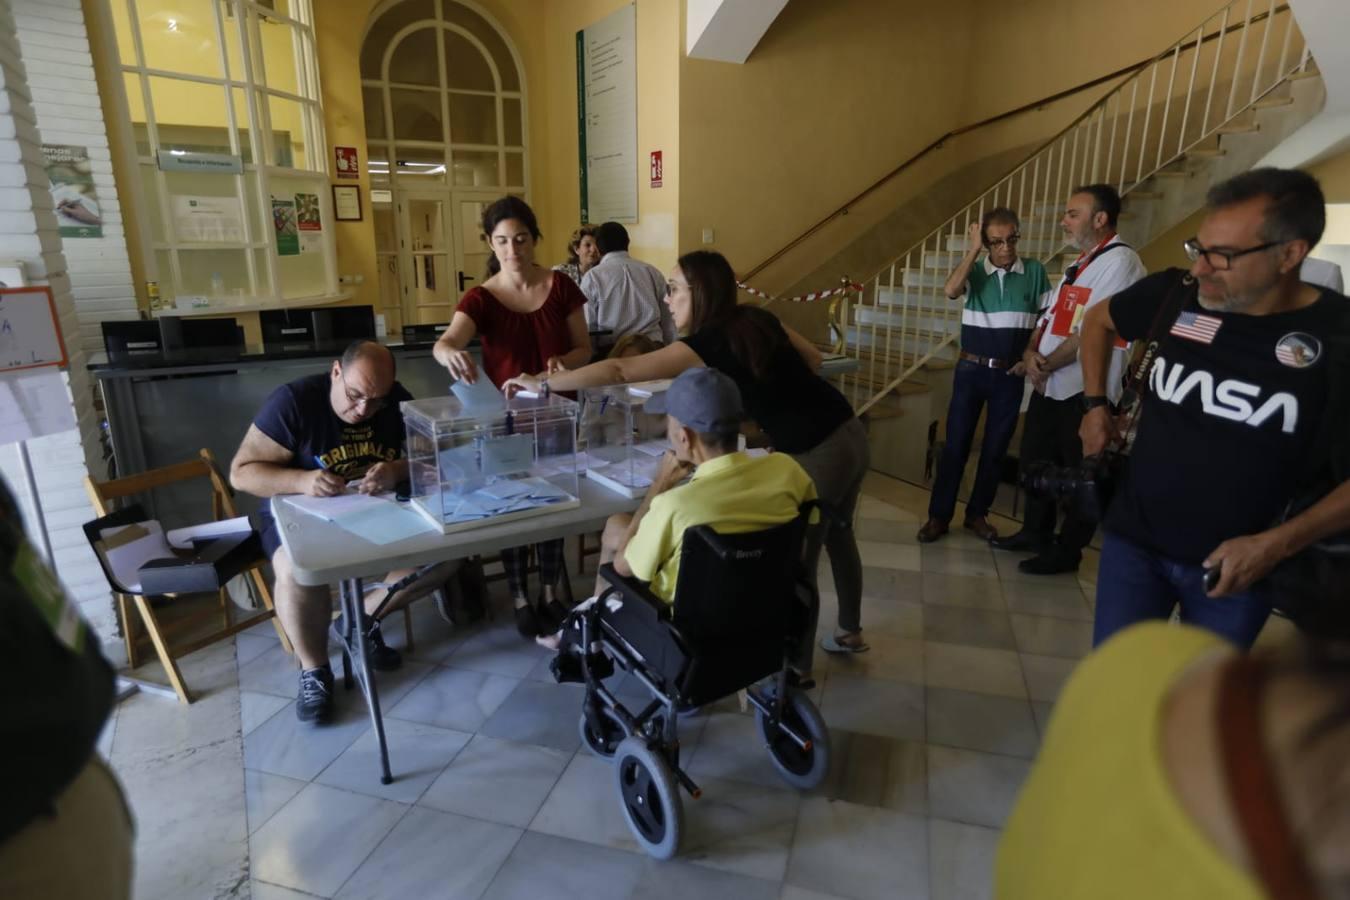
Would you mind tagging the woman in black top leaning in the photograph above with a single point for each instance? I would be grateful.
(775, 368)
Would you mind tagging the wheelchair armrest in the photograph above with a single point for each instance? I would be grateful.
(632, 589)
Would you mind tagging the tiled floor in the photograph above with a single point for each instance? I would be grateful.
(933, 731)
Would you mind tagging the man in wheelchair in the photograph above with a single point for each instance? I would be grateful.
(707, 594)
(730, 491)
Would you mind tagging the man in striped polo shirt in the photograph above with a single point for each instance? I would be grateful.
(1003, 295)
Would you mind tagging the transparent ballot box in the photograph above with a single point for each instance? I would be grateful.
(623, 442)
(475, 465)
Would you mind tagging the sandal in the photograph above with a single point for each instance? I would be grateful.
(848, 642)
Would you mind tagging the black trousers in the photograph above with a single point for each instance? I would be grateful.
(1050, 434)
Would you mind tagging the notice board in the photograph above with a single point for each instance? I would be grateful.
(29, 333)
(607, 117)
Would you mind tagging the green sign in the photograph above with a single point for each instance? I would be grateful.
(71, 181)
(288, 231)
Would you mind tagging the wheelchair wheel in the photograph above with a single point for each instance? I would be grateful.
(604, 739)
(650, 798)
(803, 769)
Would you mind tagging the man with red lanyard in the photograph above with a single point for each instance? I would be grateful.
(1105, 266)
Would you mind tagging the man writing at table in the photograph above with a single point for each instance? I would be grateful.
(322, 435)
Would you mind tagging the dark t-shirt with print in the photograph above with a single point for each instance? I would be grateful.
(1232, 408)
(299, 417)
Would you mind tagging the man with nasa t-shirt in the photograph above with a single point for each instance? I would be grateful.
(1105, 266)
(1232, 409)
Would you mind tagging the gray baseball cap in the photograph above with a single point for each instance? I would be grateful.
(702, 399)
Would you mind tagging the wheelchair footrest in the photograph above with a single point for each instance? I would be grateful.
(566, 667)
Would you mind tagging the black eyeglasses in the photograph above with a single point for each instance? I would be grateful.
(1221, 260)
(371, 403)
(999, 242)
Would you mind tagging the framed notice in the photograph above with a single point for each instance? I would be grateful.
(607, 117)
(347, 202)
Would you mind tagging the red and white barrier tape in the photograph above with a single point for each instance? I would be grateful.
(850, 288)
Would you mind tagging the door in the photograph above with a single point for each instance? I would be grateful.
(425, 246)
(471, 248)
(387, 259)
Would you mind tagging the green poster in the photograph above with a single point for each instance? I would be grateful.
(72, 187)
(288, 232)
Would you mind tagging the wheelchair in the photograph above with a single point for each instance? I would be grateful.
(742, 604)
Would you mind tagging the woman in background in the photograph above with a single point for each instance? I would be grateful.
(582, 253)
(776, 371)
(526, 318)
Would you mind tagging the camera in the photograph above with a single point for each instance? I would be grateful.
(1086, 488)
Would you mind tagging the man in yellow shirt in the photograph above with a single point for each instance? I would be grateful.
(730, 491)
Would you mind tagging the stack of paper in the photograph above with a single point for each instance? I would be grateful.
(499, 498)
(377, 519)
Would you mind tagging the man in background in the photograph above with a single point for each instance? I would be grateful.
(1106, 265)
(1003, 296)
(623, 294)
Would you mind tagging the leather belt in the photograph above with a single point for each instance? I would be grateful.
(986, 362)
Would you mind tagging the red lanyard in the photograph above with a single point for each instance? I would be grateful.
(1091, 256)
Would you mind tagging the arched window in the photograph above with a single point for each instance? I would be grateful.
(444, 101)
(443, 96)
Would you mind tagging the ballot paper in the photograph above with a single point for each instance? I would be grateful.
(378, 519)
(649, 388)
(182, 538)
(499, 498)
(480, 397)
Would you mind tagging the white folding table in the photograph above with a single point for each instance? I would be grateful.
(323, 553)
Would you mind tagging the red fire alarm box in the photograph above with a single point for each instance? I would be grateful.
(656, 168)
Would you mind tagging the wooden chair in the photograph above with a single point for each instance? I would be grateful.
(106, 496)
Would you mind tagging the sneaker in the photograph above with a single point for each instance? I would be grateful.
(844, 642)
(383, 658)
(315, 703)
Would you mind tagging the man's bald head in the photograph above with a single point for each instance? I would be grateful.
(362, 380)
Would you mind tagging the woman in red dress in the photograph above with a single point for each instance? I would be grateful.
(527, 319)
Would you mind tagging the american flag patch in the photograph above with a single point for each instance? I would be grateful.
(1195, 327)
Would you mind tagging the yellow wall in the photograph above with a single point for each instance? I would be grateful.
(1031, 49)
(774, 144)
(659, 48)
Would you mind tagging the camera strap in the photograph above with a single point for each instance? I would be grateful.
(1137, 379)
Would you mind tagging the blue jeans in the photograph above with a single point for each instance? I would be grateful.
(973, 388)
(1137, 585)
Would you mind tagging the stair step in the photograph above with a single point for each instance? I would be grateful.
(928, 296)
(1308, 73)
(1273, 102)
(1027, 245)
(1209, 153)
(1249, 128)
(926, 324)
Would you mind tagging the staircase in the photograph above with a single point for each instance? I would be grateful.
(1210, 106)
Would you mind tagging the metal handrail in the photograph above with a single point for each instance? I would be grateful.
(1087, 150)
(938, 143)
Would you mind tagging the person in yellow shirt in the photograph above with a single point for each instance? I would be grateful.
(730, 490)
(1176, 767)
